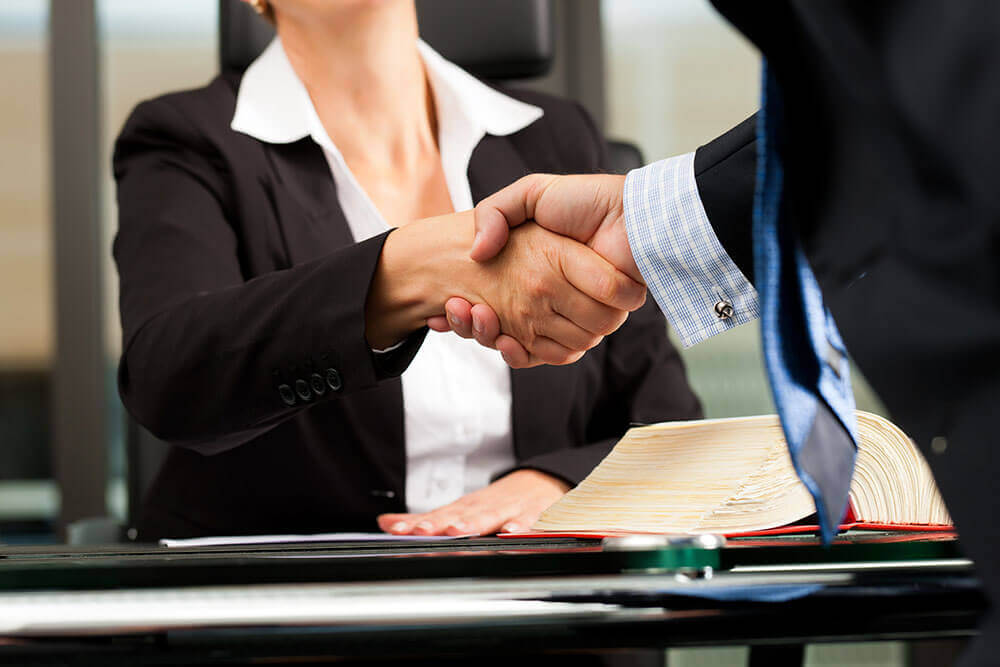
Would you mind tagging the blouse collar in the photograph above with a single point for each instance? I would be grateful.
(272, 104)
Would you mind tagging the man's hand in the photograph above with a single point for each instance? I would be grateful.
(585, 208)
(511, 504)
(553, 294)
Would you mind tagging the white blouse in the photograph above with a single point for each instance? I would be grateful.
(456, 394)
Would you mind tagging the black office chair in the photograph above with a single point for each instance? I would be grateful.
(623, 157)
(498, 41)
(513, 39)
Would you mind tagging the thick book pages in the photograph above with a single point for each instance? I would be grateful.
(733, 476)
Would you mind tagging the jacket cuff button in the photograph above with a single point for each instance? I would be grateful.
(287, 395)
(317, 384)
(333, 380)
(303, 390)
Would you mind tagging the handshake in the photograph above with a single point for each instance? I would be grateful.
(550, 271)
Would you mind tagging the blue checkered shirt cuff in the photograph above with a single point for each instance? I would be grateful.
(684, 265)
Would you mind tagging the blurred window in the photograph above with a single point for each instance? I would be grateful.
(146, 49)
(28, 497)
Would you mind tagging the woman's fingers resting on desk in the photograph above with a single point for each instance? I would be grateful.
(511, 504)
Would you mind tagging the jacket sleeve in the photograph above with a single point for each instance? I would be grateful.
(725, 170)
(210, 358)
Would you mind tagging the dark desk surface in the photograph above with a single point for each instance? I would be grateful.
(492, 595)
(138, 565)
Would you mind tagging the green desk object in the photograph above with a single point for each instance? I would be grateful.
(864, 547)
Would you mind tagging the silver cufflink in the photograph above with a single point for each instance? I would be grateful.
(723, 309)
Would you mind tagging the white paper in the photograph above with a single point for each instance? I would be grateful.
(320, 537)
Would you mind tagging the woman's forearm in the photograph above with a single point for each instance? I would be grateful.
(222, 363)
(422, 264)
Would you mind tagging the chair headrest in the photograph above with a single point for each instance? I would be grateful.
(513, 39)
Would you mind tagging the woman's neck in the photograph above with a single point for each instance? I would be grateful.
(366, 80)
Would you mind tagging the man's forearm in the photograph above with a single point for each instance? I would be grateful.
(695, 282)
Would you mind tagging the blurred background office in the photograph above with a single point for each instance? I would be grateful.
(666, 76)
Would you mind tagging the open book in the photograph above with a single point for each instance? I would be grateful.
(734, 476)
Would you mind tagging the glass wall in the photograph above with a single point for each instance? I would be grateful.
(677, 76)
(28, 498)
(146, 50)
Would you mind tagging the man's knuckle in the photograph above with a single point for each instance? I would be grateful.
(604, 322)
(536, 184)
(633, 297)
(606, 287)
(564, 357)
(537, 285)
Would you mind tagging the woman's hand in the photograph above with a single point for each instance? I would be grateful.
(511, 504)
(553, 294)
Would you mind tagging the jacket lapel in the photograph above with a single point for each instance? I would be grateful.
(313, 225)
(495, 164)
(309, 215)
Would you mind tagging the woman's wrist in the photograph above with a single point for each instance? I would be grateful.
(422, 265)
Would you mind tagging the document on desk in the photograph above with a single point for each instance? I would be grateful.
(285, 539)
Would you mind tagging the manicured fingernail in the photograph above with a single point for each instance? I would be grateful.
(476, 324)
(425, 526)
(454, 320)
(399, 527)
(459, 525)
(511, 528)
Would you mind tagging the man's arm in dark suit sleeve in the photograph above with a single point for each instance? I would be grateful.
(725, 170)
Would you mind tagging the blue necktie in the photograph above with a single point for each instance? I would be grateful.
(804, 355)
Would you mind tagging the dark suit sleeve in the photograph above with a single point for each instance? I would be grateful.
(725, 170)
(205, 350)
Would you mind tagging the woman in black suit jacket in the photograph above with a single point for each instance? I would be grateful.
(250, 310)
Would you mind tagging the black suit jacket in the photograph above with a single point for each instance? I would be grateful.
(890, 151)
(239, 275)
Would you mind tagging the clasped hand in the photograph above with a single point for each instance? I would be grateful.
(587, 209)
(549, 292)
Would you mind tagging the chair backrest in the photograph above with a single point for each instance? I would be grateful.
(623, 157)
(512, 39)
